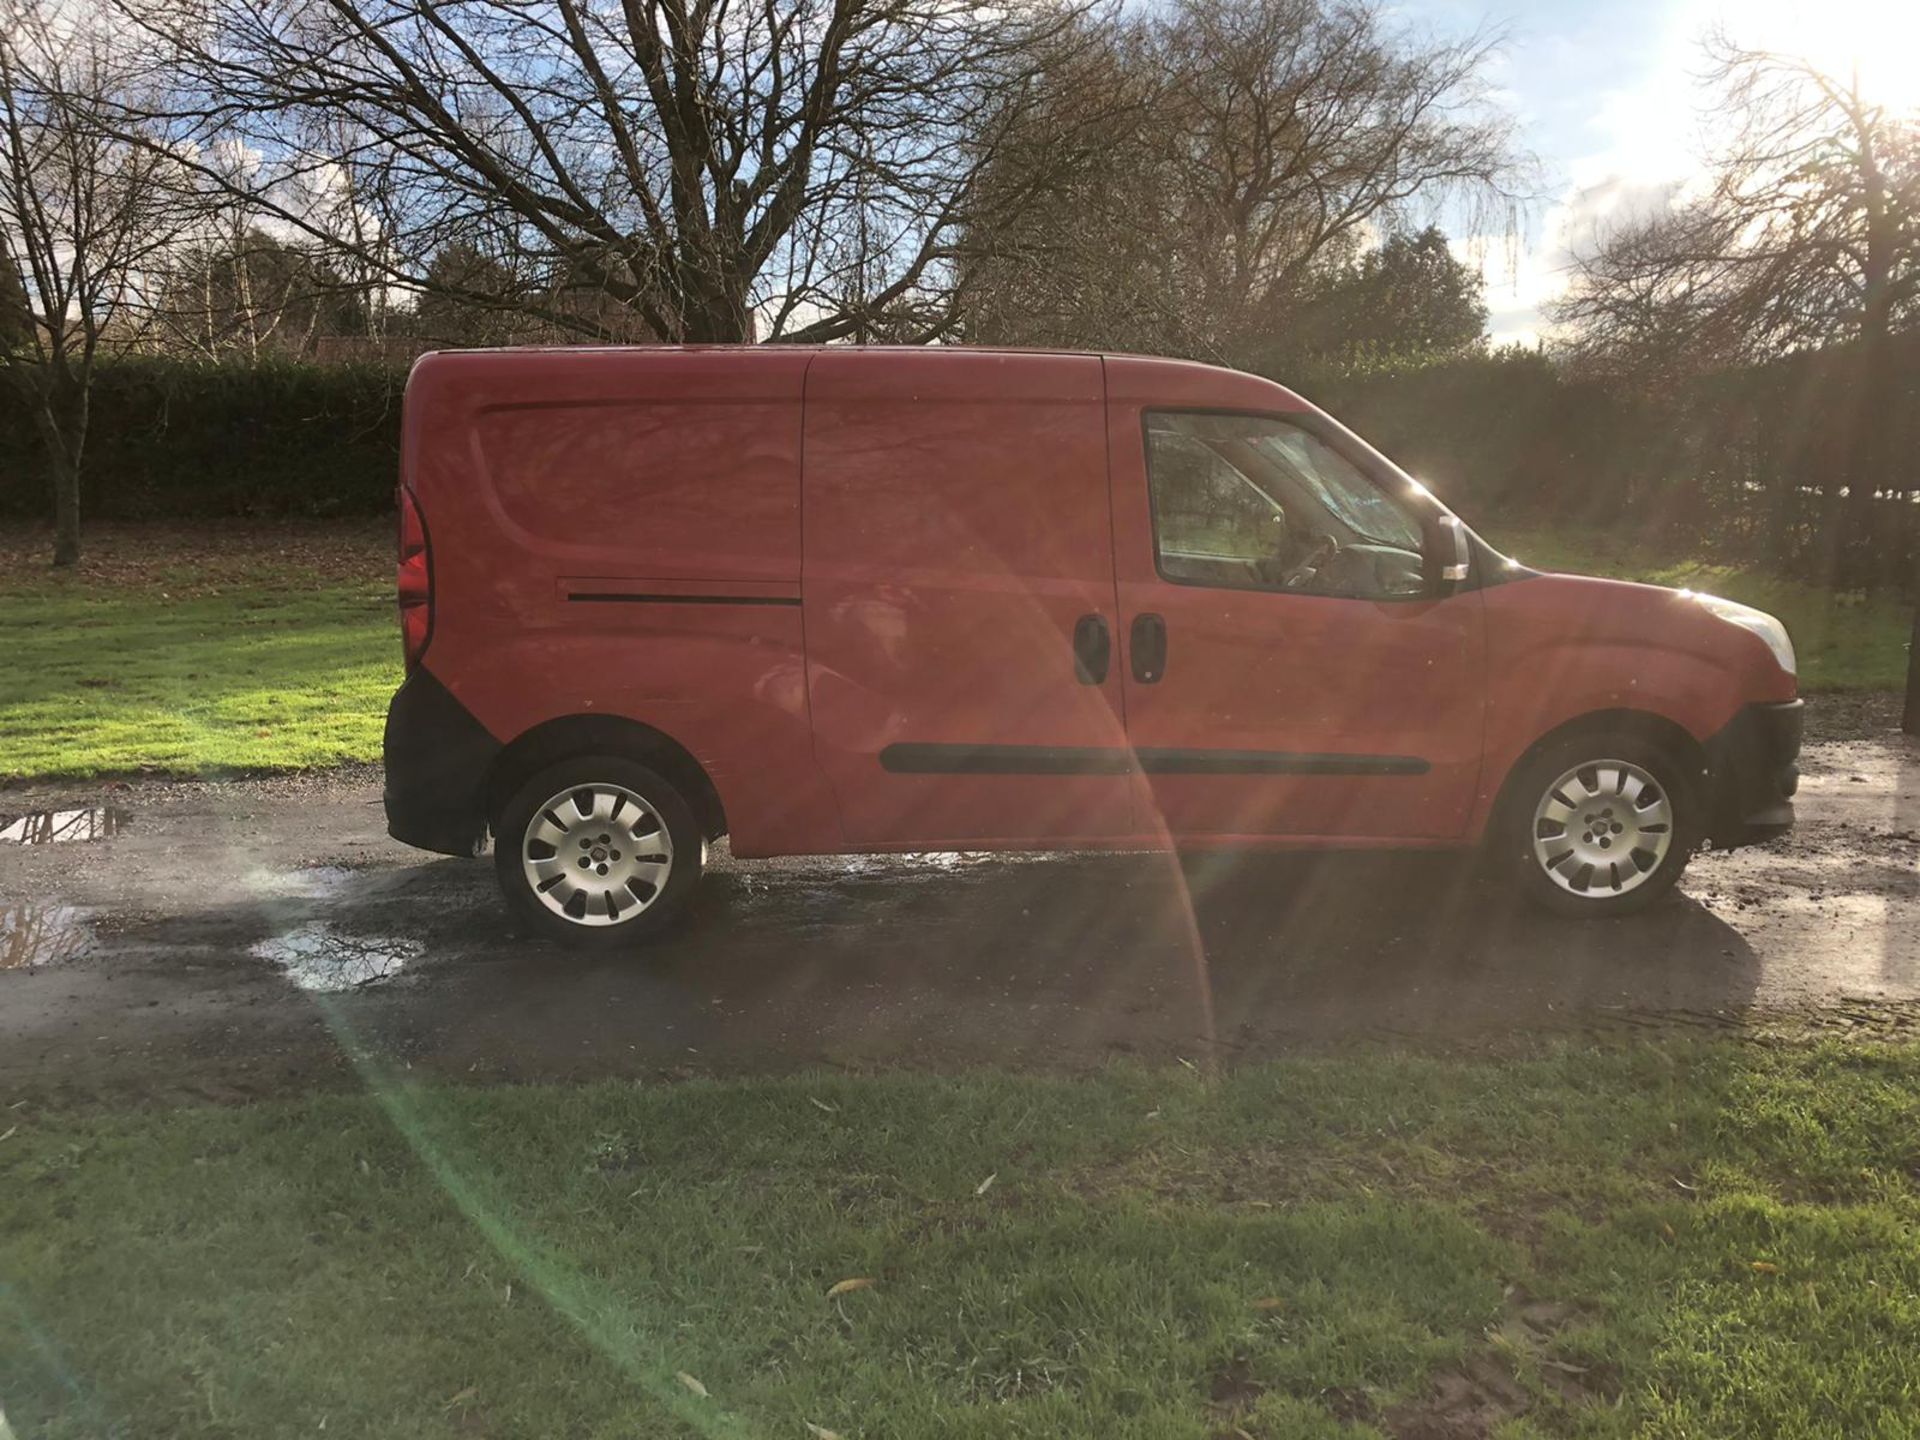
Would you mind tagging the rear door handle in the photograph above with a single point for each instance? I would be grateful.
(1148, 648)
(1092, 649)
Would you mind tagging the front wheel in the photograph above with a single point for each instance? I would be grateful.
(597, 850)
(1599, 825)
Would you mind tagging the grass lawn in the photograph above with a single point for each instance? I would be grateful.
(1668, 1239)
(275, 647)
(255, 647)
(1844, 640)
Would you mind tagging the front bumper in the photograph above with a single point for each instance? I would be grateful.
(1751, 774)
(437, 758)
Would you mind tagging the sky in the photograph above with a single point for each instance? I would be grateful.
(1609, 97)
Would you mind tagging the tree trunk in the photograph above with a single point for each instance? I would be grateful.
(61, 418)
(1910, 717)
(1870, 455)
(1869, 460)
(66, 507)
(713, 310)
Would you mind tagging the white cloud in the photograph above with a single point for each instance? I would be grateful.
(1642, 135)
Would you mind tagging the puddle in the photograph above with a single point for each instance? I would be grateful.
(35, 935)
(313, 882)
(947, 859)
(318, 957)
(60, 827)
(918, 860)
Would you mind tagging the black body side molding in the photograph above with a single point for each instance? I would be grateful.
(912, 759)
(611, 597)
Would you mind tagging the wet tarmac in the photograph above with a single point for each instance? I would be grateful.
(236, 939)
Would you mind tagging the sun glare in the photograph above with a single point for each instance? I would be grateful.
(1876, 40)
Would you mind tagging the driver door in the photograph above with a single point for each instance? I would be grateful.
(1287, 671)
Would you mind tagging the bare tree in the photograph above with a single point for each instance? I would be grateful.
(232, 289)
(1088, 257)
(1807, 237)
(1808, 234)
(83, 214)
(1263, 141)
(700, 162)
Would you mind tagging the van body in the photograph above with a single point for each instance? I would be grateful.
(863, 600)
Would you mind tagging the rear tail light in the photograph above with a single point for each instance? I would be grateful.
(415, 581)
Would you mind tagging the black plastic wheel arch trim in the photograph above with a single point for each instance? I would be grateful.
(1752, 773)
(436, 756)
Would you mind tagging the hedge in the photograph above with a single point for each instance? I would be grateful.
(1737, 464)
(1741, 464)
(185, 441)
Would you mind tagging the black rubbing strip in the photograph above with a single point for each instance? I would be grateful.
(1003, 760)
(1275, 762)
(623, 599)
(909, 759)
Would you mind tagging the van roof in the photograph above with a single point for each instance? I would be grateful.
(1159, 377)
(775, 347)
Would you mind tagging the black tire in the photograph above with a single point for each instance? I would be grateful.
(1557, 888)
(605, 884)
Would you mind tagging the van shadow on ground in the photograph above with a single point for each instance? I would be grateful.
(1058, 960)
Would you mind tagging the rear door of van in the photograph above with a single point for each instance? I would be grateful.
(958, 598)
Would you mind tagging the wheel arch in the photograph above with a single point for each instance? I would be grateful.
(1644, 725)
(559, 739)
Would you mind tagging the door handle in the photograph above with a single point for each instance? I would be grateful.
(1092, 649)
(1148, 648)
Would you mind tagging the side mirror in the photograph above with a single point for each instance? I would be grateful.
(1448, 558)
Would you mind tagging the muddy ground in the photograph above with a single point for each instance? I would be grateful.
(227, 939)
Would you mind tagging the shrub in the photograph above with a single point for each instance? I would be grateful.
(182, 440)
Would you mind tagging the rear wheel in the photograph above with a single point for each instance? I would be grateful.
(597, 850)
(1599, 825)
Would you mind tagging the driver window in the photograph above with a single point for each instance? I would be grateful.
(1248, 501)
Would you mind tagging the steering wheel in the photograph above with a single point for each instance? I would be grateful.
(1315, 560)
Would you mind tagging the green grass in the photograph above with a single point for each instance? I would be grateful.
(1666, 1240)
(276, 648)
(261, 664)
(261, 680)
(1844, 640)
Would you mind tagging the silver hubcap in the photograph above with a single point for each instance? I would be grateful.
(1602, 828)
(597, 854)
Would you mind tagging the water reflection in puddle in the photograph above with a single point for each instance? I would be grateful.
(33, 935)
(318, 957)
(60, 827)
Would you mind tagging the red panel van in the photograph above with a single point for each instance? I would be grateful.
(841, 600)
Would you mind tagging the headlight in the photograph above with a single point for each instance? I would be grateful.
(1759, 622)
